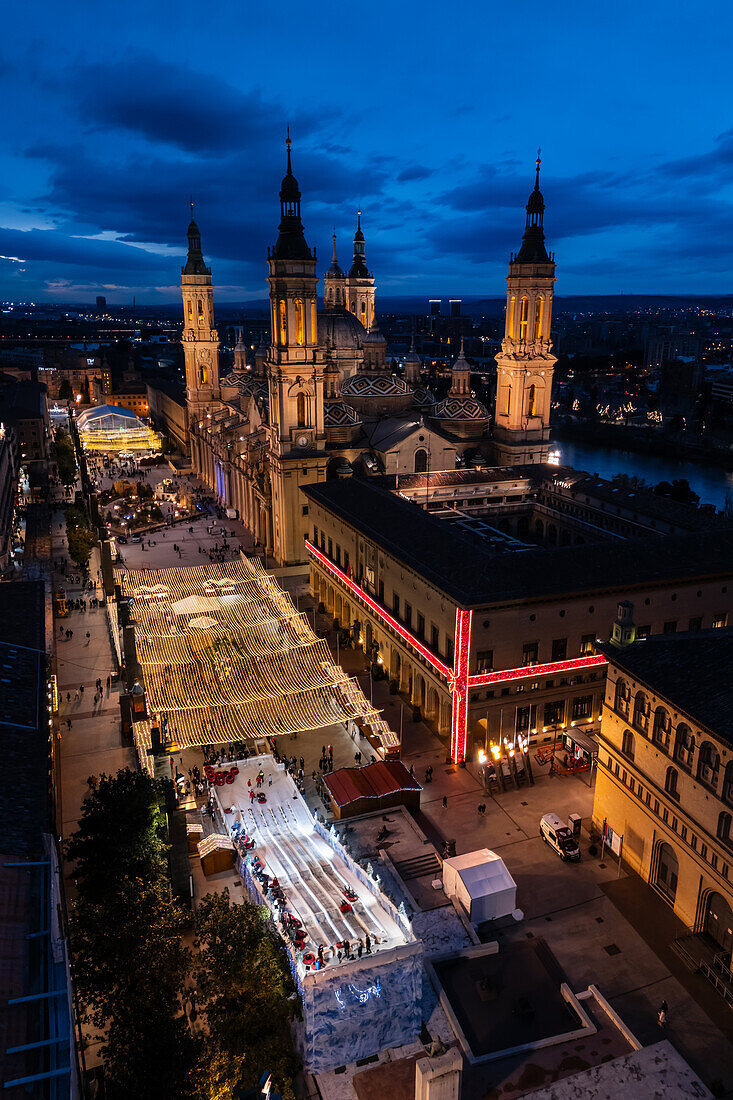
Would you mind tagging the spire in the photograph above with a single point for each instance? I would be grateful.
(291, 242)
(334, 270)
(533, 249)
(359, 269)
(194, 261)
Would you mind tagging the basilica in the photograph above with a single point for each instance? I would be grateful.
(321, 401)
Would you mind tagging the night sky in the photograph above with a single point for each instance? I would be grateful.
(426, 115)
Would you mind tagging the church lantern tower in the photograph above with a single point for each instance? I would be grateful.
(295, 370)
(360, 290)
(334, 284)
(200, 339)
(525, 364)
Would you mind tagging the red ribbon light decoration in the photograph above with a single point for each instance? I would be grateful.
(458, 679)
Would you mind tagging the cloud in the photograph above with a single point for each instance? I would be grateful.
(415, 172)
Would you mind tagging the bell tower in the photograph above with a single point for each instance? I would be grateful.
(200, 339)
(525, 364)
(360, 289)
(295, 370)
(334, 284)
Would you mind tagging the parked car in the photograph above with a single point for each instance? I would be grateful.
(136, 538)
(122, 539)
(559, 836)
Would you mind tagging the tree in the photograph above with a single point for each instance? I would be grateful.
(79, 536)
(130, 962)
(680, 489)
(245, 991)
(65, 457)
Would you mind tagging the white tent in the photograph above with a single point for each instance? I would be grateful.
(481, 883)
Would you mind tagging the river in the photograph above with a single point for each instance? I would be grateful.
(709, 482)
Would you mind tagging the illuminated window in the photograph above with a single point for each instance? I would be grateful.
(363, 313)
(510, 325)
(314, 324)
(301, 410)
(538, 317)
(353, 307)
(523, 315)
(371, 316)
(299, 322)
(283, 322)
(531, 401)
(190, 310)
(201, 310)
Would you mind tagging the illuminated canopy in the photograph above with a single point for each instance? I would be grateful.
(113, 428)
(238, 666)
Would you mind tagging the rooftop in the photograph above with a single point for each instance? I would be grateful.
(471, 573)
(373, 781)
(690, 671)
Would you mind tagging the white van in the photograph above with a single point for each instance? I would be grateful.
(557, 834)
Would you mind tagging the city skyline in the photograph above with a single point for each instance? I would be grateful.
(429, 124)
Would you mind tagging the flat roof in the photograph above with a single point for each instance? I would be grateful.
(690, 671)
(473, 575)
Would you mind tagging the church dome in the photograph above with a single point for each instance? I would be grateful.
(374, 385)
(245, 383)
(423, 398)
(340, 330)
(337, 414)
(460, 409)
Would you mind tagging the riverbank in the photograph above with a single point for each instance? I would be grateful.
(712, 483)
(645, 441)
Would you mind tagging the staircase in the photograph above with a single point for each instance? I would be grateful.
(419, 866)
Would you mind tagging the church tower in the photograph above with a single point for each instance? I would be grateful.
(240, 353)
(200, 339)
(525, 364)
(295, 374)
(360, 284)
(334, 284)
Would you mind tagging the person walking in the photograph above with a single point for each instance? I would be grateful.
(445, 801)
(89, 636)
(368, 944)
(662, 1014)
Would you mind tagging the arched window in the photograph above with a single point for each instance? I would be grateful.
(510, 319)
(723, 830)
(201, 310)
(363, 314)
(661, 728)
(668, 870)
(708, 764)
(523, 317)
(531, 400)
(314, 322)
(508, 400)
(371, 315)
(330, 295)
(684, 745)
(283, 322)
(670, 783)
(353, 308)
(628, 744)
(190, 310)
(621, 697)
(299, 337)
(301, 410)
(641, 712)
(539, 306)
(727, 792)
(421, 461)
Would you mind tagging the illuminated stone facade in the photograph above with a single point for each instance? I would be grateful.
(665, 775)
(322, 402)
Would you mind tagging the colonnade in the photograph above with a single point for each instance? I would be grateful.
(422, 687)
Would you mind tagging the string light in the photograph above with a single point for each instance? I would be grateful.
(241, 664)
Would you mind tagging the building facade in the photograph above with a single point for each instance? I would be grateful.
(664, 786)
(492, 637)
(321, 403)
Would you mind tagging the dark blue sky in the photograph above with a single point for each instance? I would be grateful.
(426, 114)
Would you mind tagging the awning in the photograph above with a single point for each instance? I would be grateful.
(584, 739)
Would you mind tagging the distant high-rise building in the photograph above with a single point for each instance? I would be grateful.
(455, 307)
(101, 303)
(434, 304)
